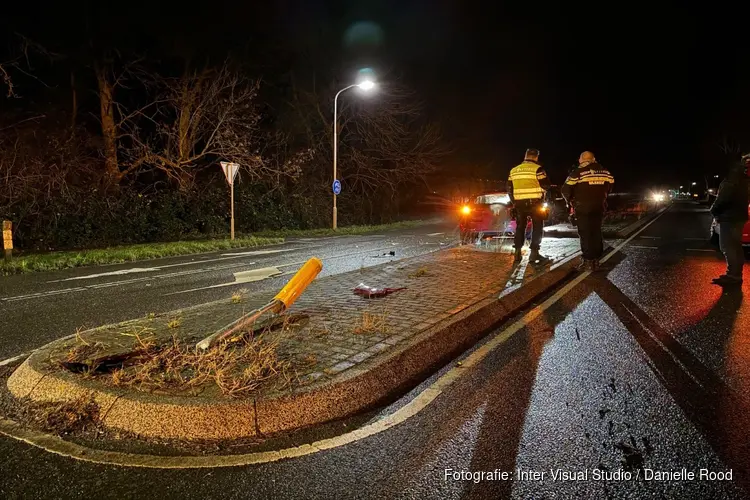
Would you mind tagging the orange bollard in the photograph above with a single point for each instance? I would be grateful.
(301, 280)
(283, 301)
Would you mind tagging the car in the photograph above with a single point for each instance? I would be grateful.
(716, 227)
(490, 214)
(487, 214)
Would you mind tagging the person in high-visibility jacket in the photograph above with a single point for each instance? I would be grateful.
(586, 189)
(527, 186)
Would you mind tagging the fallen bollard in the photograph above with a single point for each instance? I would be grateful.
(280, 303)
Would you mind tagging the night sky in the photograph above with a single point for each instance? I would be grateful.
(649, 91)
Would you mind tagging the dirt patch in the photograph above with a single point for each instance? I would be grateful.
(140, 359)
(235, 368)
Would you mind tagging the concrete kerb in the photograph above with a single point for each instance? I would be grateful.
(361, 388)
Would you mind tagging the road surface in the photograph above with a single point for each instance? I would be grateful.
(40, 307)
(643, 367)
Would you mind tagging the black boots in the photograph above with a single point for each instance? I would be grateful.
(536, 258)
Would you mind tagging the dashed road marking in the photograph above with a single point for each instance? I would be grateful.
(250, 276)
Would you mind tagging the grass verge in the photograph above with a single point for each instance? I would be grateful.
(131, 253)
(115, 255)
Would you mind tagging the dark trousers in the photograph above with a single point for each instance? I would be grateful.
(526, 209)
(590, 233)
(730, 242)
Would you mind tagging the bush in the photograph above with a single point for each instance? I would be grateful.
(91, 219)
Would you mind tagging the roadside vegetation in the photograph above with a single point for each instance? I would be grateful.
(51, 261)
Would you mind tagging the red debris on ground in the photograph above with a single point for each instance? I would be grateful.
(371, 293)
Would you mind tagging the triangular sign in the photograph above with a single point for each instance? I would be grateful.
(230, 170)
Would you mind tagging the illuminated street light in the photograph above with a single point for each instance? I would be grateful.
(369, 85)
(695, 183)
(365, 85)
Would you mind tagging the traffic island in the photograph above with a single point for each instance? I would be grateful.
(333, 355)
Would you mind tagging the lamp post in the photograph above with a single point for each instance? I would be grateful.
(364, 85)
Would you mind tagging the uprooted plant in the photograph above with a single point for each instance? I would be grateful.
(236, 368)
(371, 323)
(68, 416)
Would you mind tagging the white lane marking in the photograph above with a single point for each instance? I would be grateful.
(68, 449)
(435, 234)
(257, 252)
(239, 278)
(42, 294)
(289, 264)
(10, 360)
(111, 273)
(181, 273)
(700, 249)
(123, 282)
(644, 246)
(226, 256)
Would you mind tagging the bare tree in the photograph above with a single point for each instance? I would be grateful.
(384, 139)
(7, 81)
(195, 121)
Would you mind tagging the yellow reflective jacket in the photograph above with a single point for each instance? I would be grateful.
(527, 181)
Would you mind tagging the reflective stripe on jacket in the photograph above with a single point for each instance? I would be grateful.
(527, 181)
(587, 188)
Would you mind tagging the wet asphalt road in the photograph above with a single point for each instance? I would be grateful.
(40, 307)
(645, 366)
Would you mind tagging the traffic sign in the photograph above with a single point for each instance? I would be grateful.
(230, 171)
(337, 187)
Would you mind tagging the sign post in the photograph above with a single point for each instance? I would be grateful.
(336, 191)
(8, 239)
(230, 171)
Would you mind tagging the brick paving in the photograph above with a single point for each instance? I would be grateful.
(342, 329)
(437, 285)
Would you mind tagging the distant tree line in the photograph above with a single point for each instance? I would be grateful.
(102, 145)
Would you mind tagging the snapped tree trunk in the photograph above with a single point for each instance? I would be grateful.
(109, 128)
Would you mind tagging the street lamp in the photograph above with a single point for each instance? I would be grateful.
(365, 85)
(695, 183)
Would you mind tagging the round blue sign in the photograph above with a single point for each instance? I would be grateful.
(337, 187)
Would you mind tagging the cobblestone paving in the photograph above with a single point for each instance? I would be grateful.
(342, 329)
(346, 329)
